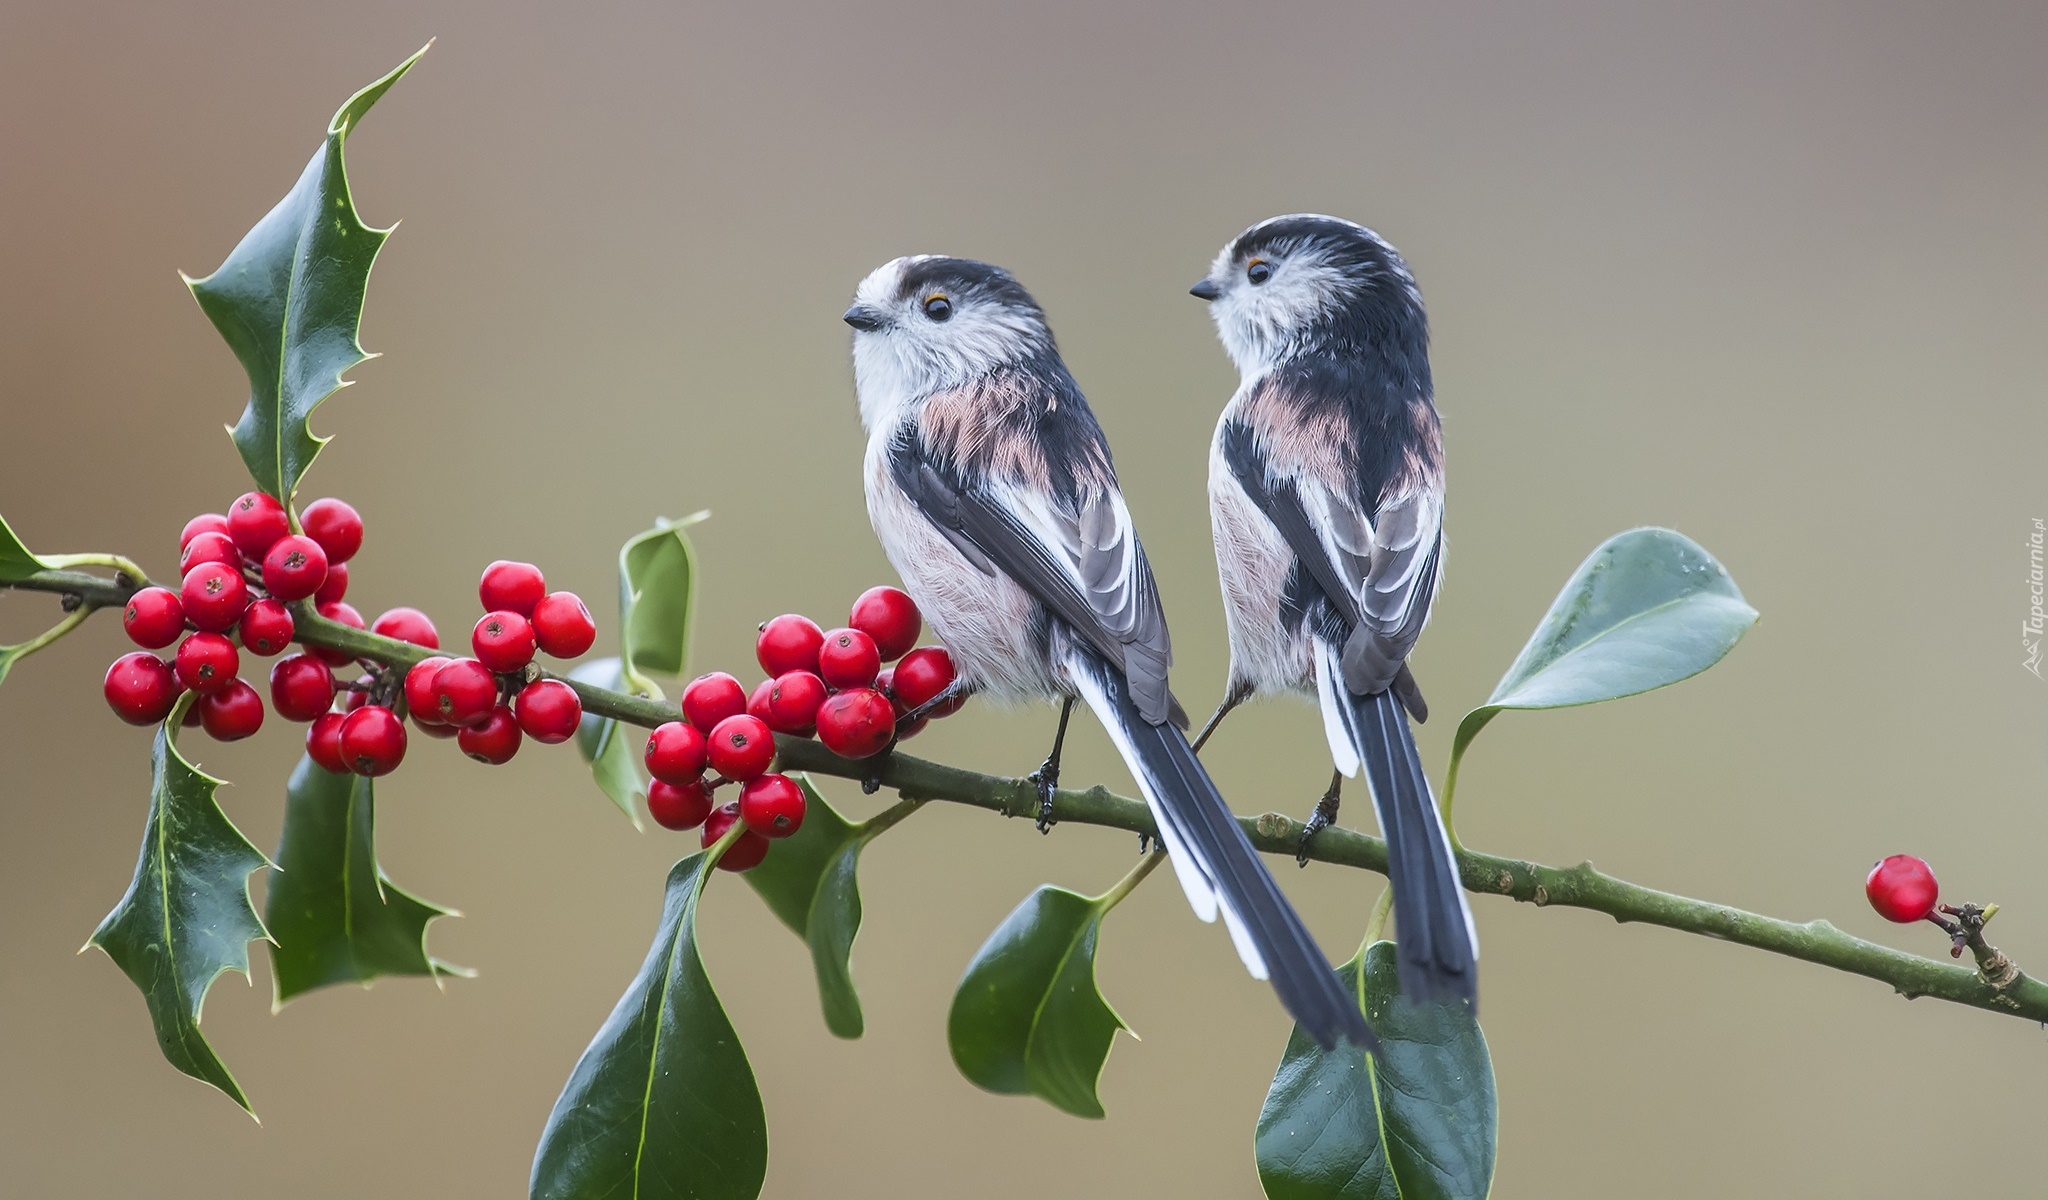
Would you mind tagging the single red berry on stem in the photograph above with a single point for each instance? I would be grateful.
(922, 675)
(294, 567)
(789, 643)
(676, 754)
(772, 805)
(757, 701)
(562, 625)
(889, 616)
(1902, 888)
(792, 704)
(511, 587)
(256, 520)
(266, 627)
(746, 851)
(358, 693)
(214, 596)
(231, 714)
(420, 698)
(336, 586)
(154, 618)
(323, 743)
(372, 740)
(493, 741)
(408, 625)
(712, 698)
(741, 747)
(336, 525)
(849, 659)
(301, 687)
(203, 523)
(503, 641)
(548, 711)
(678, 806)
(465, 693)
(856, 724)
(433, 730)
(140, 688)
(206, 663)
(209, 547)
(343, 613)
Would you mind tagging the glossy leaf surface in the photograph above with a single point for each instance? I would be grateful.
(614, 751)
(15, 560)
(657, 590)
(810, 881)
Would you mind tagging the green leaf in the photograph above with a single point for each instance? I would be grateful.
(612, 750)
(15, 560)
(289, 302)
(1027, 1017)
(1417, 1121)
(1648, 608)
(663, 1103)
(657, 591)
(333, 915)
(811, 882)
(186, 919)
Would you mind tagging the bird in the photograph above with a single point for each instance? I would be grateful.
(991, 488)
(1326, 504)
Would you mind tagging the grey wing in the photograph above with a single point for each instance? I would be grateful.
(1403, 552)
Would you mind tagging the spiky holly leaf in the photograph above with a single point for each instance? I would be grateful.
(289, 302)
(811, 882)
(663, 1103)
(186, 919)
(334, 916)
(611, 749)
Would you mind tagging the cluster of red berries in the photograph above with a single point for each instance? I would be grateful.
(828, 684)
(1903, 889)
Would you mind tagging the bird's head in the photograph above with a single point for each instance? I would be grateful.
(929, 322)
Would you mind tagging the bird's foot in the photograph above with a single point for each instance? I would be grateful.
(1047, 780)
(1322, 818)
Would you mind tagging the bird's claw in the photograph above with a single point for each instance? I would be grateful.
(1322, 818)
(1046, 779)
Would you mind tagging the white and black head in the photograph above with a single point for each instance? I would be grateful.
(927, 323)
(1309, 284)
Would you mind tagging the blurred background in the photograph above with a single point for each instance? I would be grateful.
(1769, 274)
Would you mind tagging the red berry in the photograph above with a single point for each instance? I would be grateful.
(562, 625)
(336, 526)
(857, 723)
(676, 754)
(741, 747)
(712, 698)
(890, 617)
(503, 641)
(140, 688)
(678, 806)
(465, 693)
(911, 730)
(746, 851)
(548, 711)
(294, 567)
(432, 730)
(511, 587)
(848, 659)
(336, 586)
(1902, 888)
(789, 643)
(203, 523)
(343, 613)
(256, 520)
(214, 596)
(206, 663)
(420, 698)
(323, 743)
(922, 675)
(154, 618)
(772, 806)
(792, 705)
(493, 741)
(372, 740)
(266, 627)
(232, 714)
(358, 693)
(209, 547)
(757, 703)
(301, 687)
(408, 625)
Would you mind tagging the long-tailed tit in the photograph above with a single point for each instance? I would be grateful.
(990, 486)
(1326, 498)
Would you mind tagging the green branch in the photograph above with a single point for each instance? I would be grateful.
(916, 779)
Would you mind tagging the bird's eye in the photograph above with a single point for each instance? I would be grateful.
(1258, 272)
(938, 308)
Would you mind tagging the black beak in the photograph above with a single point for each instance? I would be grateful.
(864, 318)
(1205, 290)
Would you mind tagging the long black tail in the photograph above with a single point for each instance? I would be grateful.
(1216, 863)
(1439, 953)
